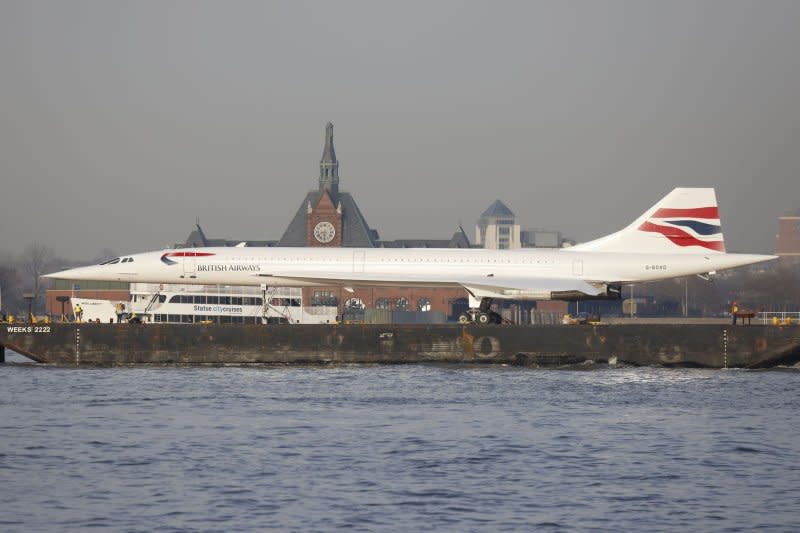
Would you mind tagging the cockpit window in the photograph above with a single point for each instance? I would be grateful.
(111, 261)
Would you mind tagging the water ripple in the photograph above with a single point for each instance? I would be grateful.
(422, 448)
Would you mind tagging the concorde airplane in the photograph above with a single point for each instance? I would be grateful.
(679, 236)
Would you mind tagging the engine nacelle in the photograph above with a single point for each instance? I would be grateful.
(611, 291)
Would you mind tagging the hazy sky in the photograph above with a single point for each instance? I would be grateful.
(120, 122)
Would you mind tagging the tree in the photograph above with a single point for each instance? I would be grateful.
(9, 286)
(36, 260)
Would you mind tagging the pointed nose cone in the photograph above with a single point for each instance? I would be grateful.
(77, 274)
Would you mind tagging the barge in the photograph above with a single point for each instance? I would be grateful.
(680, 345)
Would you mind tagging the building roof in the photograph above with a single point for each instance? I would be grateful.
(197, 239)
(498, 210)
(458, 240)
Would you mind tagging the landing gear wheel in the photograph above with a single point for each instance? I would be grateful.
(463, 318)
(484, 318)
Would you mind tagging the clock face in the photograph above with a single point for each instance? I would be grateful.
(324, 232)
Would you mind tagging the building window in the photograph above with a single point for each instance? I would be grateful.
(424, 304)
(324, 298)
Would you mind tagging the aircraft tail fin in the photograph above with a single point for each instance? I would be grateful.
(685, 221)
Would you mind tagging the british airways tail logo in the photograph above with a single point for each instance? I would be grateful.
(688, 227)
(167, 261)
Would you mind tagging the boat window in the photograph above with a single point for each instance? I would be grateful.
(162, 298)
(175, 299)
(213, 299)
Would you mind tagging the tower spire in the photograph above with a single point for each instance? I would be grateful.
(328, 165)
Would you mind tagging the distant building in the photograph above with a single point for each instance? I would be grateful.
(788, 239)
(497, 228)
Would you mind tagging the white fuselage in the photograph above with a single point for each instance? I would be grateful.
(353, 267)
(679, 236)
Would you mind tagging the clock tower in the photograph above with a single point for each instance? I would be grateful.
(329, 216)
(324, 220)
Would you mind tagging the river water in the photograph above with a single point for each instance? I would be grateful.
(398, 448)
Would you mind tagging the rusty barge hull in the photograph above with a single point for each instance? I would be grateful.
(712, 346)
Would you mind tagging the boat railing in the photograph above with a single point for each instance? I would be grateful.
(779, 318)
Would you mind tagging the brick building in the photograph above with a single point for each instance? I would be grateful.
(788, 239)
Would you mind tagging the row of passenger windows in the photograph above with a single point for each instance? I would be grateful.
(196, 319)
(222, 300)
(142, 297)
(285, 302)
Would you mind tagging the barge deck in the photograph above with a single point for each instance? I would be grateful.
(685, 345)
